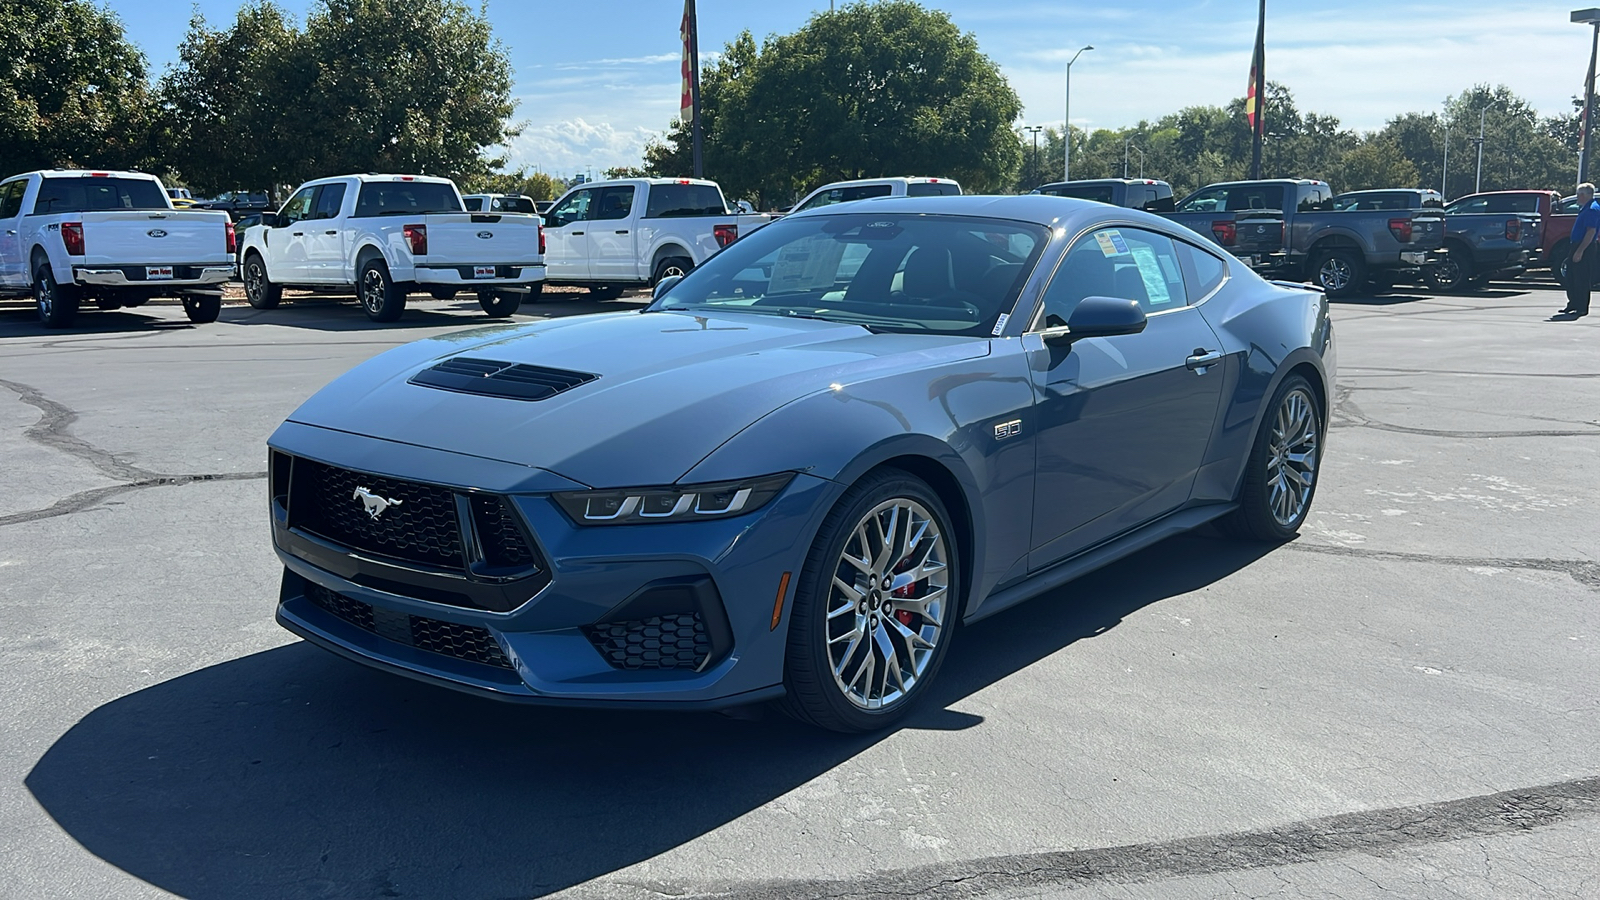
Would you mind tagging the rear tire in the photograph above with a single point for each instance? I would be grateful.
(1280, 478)
(1340, 272)
(499, 304)
(380, 298)
(202, 308)
(57, 305)
(258, 289)
(673, 265)
(846, 618)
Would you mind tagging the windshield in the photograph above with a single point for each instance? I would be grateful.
(903, 273)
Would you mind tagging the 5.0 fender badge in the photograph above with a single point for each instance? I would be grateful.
(1008, 429)
(374, 504)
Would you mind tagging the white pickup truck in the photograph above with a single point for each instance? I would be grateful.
(111, 237)
(611, 235)
(385, 236)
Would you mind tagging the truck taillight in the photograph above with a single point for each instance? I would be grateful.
(233, 239)
(541, 238)
(417, 237)
(72, 237)
(1513, 229)
(1226, 233)
(1401, 229)
(725, 234)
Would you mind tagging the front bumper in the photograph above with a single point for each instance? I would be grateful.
(183, 275)
(506, 277)
(543, 648)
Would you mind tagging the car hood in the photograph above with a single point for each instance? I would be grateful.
(671, 388)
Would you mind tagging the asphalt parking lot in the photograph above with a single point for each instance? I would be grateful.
(1403, 702)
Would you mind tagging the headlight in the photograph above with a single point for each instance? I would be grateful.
(676, 503)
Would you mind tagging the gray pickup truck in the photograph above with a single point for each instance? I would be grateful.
(1134, 193)
(1253, 235)
(1492, 235)
(1340, 251)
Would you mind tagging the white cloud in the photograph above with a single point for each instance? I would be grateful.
(576, 145)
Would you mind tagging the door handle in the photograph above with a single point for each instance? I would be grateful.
(622, 231)
(576, 233)
(1202, 359)
(9, 231)
(299, 233)
(330, 232)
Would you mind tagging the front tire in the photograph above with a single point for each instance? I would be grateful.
(1280, 477)
(499, 304)
(202, 308)
(875, 607)
(57, 305)
(258, 289)
(1340, 273)
(380, 298)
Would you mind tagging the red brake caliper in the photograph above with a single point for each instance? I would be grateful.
(904, 615)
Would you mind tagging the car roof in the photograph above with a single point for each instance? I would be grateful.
(1077, 182)
(85, 173)
(1039, 209)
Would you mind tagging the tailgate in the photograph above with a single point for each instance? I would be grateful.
(1427, 231)
(137, 237)
(488, 240)
(1258, 231)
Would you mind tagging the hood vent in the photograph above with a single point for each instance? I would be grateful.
(493, 378)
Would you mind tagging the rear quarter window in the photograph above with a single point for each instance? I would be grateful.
(671, 201)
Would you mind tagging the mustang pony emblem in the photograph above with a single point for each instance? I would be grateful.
(374, 504)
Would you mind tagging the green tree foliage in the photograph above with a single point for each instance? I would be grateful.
(1376, 162)
(73, 90)
(536, 185)
(367, 85)
(872, 89)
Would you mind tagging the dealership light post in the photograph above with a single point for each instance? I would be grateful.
(1483, 114)
(1066, 127)
(1033, 173)
(1127, 144)
(1587, 17)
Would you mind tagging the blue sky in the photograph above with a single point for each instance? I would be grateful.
(596, 79)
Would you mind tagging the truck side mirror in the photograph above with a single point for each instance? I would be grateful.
(270, 220)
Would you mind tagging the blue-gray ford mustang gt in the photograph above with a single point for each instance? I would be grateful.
(804, 464)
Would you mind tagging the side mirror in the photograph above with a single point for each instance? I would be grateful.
(270, 220)
(1098, 317)
(744, 208)
(664, 285)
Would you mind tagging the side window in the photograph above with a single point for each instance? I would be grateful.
(1213, 200)
(1462, 207)
(11, 199)
(299, 206)
(573, 209)
(847, 194)
(1126, 263)
(474, 204)
(614, 203)
(329, 199)
(1205, 271)
(1310, 197)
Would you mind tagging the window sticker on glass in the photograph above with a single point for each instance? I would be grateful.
(1111, 242)
(807, 265)
(1150, 271)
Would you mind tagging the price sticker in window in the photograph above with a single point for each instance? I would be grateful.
(1111, 242)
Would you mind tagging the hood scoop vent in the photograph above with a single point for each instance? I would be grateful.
(493, 378)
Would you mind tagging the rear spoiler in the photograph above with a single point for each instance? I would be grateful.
(1298, 286)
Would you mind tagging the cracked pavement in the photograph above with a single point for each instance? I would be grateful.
(1401, 703)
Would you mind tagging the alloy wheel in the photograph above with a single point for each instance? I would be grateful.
(44, 294)
(253, 279)
(888, 604)
(1334, 274)
(1292, 457)
(373, 289)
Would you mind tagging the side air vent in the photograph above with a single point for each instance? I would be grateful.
(493, 378)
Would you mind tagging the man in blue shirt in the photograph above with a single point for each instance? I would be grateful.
(1581, 268)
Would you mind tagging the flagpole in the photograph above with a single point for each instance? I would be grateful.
(694, 85)
(1261, 93)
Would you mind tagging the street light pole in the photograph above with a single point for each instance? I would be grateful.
(1034, 169)
(1066, 127)
(1477, 187)
(1588, 17)
(1444, 176)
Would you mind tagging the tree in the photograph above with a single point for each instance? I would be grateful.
(536, 185)
(72, 88)
(872, 89)
(235, 103)
(1377, 162)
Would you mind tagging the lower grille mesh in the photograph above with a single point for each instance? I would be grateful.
(466, 642)
(660, 642)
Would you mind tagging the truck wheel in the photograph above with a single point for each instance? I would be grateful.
(1453, 272)
(605, 291)
(1340, 272)
(672, 265)
(380, 298)
(499, 304)
(445, 293)
(58, 305)
(202, 308)
(261, 292)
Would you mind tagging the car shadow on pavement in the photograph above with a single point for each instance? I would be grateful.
(24, 323)
(292, 773)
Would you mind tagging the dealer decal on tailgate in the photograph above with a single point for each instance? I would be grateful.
(483, 271)
(157, 273)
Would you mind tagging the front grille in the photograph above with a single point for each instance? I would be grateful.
(466, 642)
(676, 641)
(415, 522)
(502, 540)
(494, 378)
